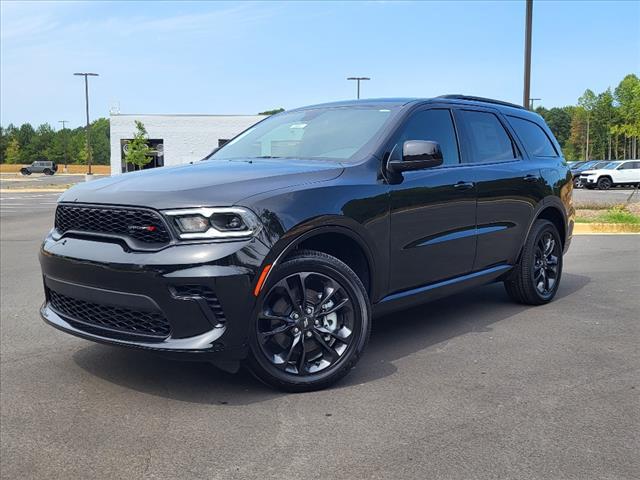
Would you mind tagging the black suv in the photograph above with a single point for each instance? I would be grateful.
(279, 247)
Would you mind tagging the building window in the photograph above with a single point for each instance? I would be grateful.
(157, 155)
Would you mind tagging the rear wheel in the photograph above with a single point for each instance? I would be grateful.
(311, 324)
(605, 183)
(48, 171)
(536, 277)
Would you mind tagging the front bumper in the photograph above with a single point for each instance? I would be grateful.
(115, 281)
(588, 180)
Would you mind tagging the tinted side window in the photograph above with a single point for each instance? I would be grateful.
(435, 125)
(629, 166)
(487, 138)
(534, 138)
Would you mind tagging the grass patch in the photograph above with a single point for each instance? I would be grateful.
(618, 214)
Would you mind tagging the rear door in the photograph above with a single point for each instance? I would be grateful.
(628, 172)
(508, 186)
(432, 222)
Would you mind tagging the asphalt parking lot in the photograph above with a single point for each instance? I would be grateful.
(614, 196)
(469, 387)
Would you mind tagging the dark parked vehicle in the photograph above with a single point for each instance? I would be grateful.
(42, 166)
(279, 248)
(575, 165)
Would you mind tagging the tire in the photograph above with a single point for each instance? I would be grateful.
(24, 171)
(47, 172)
(523, 284)
(577, 183)
(310, 351)
(604, 183)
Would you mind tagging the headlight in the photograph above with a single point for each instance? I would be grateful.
(220, 222)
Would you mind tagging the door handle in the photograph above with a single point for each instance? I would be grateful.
(530, 178)
(464, 185)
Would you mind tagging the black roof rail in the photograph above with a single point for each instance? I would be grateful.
(481, 99)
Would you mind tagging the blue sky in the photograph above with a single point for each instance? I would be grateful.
(218, 57)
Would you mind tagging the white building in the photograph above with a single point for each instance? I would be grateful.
(175, 139)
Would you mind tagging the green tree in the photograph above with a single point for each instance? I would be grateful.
(78, 147)
(100, 146)
(55, 151)
(587, 102)
(4, 141)
(25, 136)
(272, 112)
(578, 135)
(41, 142)
(602, 120)
(138, 151)
(12, 155)
(627, 97)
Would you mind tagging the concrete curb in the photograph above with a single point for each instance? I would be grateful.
(33, 190)
(605, 228)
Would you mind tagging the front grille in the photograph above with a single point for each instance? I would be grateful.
(142, 225)
(201, 291)
(109, 317)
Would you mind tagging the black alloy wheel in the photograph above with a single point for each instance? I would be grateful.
(545, 264)
(535, 278)
(605, 183)
(311, 324)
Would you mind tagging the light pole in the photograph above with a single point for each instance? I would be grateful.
(358, 79)
(64, 133)
(531, 100)
(86, 98)
(527, 54)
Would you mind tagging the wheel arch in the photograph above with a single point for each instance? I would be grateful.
(555, 216)
(339, 241)
(552, 210)
(600, 177)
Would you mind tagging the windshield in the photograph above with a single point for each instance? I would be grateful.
(329, 133)
(587, 165)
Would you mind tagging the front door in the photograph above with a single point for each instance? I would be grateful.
(433, 211)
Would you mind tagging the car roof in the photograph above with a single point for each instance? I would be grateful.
(453, 99)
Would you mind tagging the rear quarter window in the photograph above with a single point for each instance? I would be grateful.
(533, 137)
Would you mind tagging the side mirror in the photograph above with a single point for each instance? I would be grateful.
(417, 155)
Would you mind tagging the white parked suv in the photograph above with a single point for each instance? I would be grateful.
(623, 172)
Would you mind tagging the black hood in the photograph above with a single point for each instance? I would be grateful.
(206, 183)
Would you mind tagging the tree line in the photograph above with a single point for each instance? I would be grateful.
(604, 126)
(601, 126)
(26, 144)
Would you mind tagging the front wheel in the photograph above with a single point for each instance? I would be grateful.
(605, 183)
(536, 277)
(25, 171)
(311, 323)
